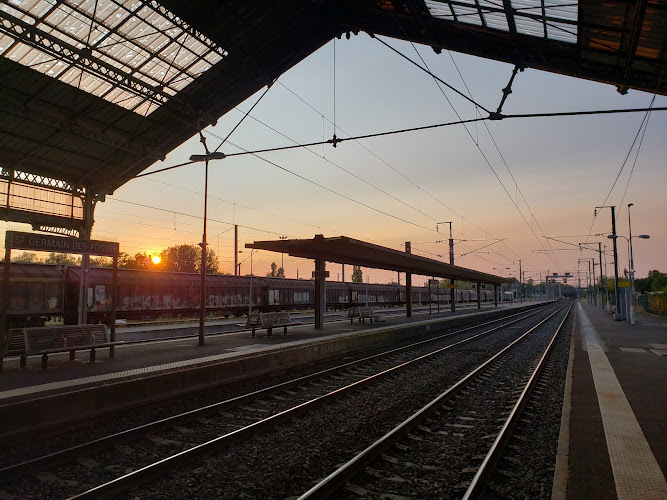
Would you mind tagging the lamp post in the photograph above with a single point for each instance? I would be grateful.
(630, 270)
(202, 305)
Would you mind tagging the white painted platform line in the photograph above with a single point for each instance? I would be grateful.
(636, 471)
(107, 377)
(633, 349)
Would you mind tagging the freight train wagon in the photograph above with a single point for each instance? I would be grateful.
(39, 292)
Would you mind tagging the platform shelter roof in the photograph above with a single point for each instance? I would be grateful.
(94, 92)
(345, 250)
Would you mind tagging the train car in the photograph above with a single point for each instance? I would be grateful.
(283, 293)
(36, 293)
(39, 292)
(374, 295)
(338, 295)
(152, 294)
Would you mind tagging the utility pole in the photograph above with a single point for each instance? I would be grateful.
(452, 290)
(237, 270)
(520, 283)
(600, 287)
(617, 296)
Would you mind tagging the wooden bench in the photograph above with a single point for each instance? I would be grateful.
(14, 343)
(270, 321)
(50, 340)
(362, 313)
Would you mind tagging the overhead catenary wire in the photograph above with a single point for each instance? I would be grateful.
(502, 157)
(634, 141)
(408, 179)
(405, 130)
(476, 144)
(634, 163)
(358, 177)
(268, 87)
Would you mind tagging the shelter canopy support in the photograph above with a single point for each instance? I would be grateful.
(345, 250)
(320, 295)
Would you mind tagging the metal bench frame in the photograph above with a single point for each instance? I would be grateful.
(270, 321)
(362, 313)
(51, 340)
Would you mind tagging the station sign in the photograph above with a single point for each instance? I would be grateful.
(452, 285)
(623, 284)
(320, 274)
(60, 244)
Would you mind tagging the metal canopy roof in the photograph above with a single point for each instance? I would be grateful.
(345, 250)
(92, 92)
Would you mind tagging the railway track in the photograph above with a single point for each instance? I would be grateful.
(464, 417)
(124, 460)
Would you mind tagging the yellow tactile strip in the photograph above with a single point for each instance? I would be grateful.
(636, 471)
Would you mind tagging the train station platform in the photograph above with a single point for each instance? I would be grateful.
(614, 435)
(147, 372)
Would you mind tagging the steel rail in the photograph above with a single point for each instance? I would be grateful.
(481, 477)
(152, 471)
(63, 456)
(330, 484)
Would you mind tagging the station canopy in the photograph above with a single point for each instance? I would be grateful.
(92, 92)
(345, 250)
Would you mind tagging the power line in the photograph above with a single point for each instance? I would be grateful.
(641, 125)
(419, 188)
(332, 190)
(473, 140)
(639, 147)
(368, 183)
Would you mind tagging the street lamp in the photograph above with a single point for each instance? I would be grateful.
(205, 158)
(631, 270)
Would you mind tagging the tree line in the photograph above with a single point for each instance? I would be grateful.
(655, 282)
(178, 258)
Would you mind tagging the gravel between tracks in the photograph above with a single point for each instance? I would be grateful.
(283, 463)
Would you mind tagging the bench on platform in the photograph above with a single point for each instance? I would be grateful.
(50, 340)
(14, 343)
(362, 313)
(270, 321)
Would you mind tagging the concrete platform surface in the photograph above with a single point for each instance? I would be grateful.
(143, 359)
(618, 415)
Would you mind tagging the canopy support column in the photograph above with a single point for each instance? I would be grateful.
(84, 233)
(479, 295)
(495, 295)
(320, 277)
(408, 285)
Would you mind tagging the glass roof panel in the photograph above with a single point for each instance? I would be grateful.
(130, 38)
(555, 19)
(5, 43)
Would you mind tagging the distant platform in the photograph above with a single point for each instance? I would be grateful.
(613, 442)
